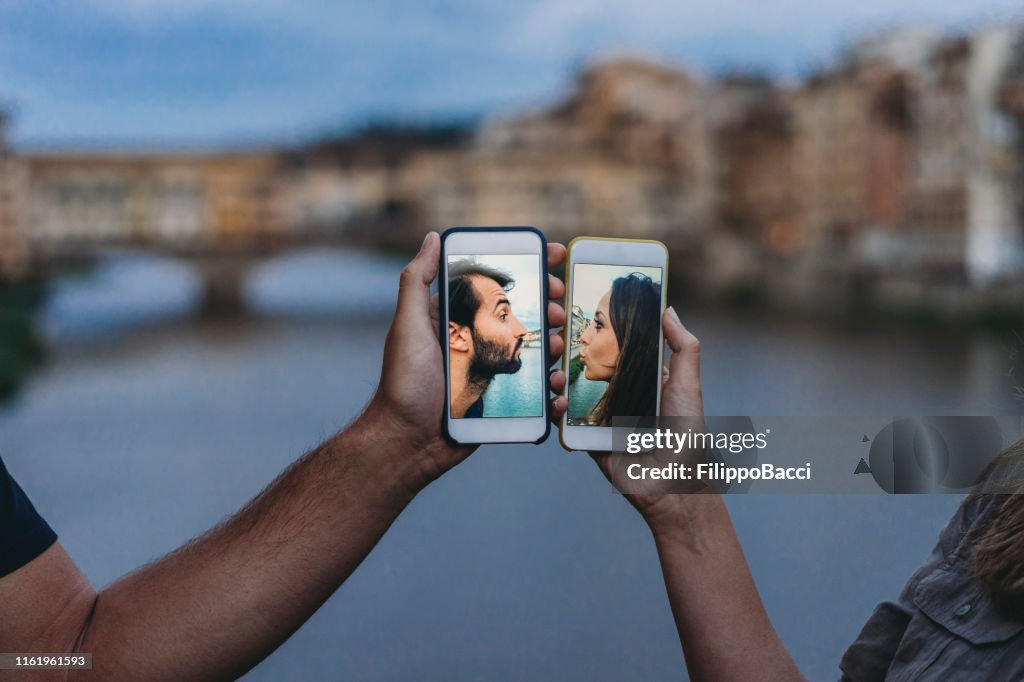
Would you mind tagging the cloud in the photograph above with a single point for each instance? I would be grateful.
(187, 69)
(779, 34)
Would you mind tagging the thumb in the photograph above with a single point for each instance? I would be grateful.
(414, 285)
(684, 367)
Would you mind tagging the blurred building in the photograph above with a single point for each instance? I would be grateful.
(938, 160)
(892, 177)
(369, 187)
(753, 223)
(908, 167)
(852, 161)
(752, 138)
(995, 240)
(577, 325)
(14, 251)
(626, 153)
(80, 198)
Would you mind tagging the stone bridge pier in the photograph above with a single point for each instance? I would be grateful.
(223, 276)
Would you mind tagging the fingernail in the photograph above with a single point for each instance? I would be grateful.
(425, 240)
(675, 317)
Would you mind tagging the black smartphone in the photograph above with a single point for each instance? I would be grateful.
(494, 334)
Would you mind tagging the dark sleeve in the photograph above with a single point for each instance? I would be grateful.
(871, 654)
(476, 409)
(24, 534)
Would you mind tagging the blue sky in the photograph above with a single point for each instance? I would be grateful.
(230, 72)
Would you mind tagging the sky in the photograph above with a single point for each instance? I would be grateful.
(590, 282)
(191, 72)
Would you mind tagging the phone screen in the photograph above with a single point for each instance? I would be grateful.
(495, 336)
(614, 343)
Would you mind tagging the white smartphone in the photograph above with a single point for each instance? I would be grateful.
(614, 350)
(494, 334)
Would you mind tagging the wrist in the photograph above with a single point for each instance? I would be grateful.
(420, 456)
(391, 447)
(692, 521)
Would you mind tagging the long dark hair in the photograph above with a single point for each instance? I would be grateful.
(635, 311)
(998, 544)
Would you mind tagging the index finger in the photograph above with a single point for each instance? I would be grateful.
(556, 254)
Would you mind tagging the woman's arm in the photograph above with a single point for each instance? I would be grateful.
(723, 627)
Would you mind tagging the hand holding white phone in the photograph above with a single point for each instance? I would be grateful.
(613, 356)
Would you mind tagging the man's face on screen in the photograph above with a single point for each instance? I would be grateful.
(497, 333)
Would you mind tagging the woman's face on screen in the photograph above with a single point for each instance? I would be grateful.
(600, 352)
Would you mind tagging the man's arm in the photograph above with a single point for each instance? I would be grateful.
(223, 602)
(216, 607)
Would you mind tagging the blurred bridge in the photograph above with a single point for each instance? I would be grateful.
(532, 337)
(221, 212)
(222, 265)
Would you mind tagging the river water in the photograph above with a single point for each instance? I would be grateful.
(520, 394)
(146, 427)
